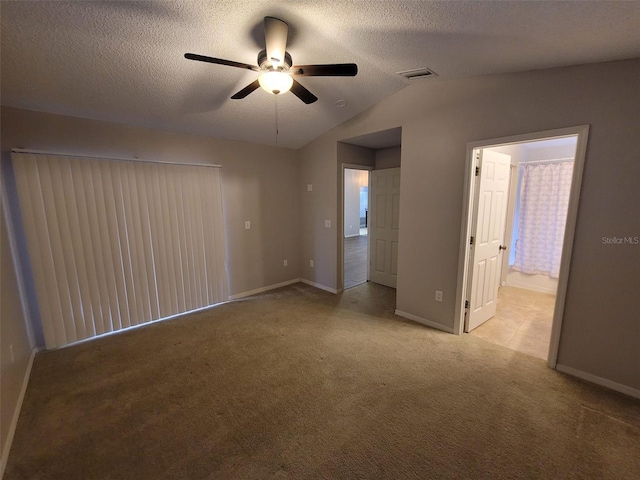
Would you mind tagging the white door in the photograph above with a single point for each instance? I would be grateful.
(384, 226)
(487, 247)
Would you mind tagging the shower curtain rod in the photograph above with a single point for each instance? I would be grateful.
(551, 160)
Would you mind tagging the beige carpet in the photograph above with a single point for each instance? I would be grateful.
(299, 383)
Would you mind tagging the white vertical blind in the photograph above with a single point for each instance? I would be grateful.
(114, 244)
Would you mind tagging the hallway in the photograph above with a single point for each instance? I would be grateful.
(355, 260)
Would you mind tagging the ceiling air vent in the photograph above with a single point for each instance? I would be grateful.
(418, 73)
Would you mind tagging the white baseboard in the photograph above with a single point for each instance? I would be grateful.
(603, 382)
(16, 413)
(535, 282)
(424, 321)
(528, 286)
(352, 235)
(263, 289)
(321, 287)
(140, 325)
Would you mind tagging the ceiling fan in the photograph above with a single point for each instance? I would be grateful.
(276, 66)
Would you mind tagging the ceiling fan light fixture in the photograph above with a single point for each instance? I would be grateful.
(276, 68)
(275, 82)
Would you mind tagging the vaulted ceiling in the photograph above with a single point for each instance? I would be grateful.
(123, 61)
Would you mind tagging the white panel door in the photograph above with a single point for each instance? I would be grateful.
(485, 259)
(384, 226)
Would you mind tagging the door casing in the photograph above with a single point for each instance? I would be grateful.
(351, 166)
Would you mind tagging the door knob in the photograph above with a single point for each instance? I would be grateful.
(503, 247)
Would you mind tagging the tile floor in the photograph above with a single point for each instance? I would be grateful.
(522, 321)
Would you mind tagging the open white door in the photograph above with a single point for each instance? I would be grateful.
(384, 226)
(487, 244)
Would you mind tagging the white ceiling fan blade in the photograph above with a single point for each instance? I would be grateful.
(275, 35)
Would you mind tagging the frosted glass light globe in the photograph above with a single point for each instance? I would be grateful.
(275, 82)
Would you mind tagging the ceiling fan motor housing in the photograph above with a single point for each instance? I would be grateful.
(265, 63)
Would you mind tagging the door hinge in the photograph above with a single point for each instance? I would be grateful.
(477, 171)
(471, 242)
(466, 304)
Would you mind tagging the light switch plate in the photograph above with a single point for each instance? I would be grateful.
(327, 223)
(247, 225)
(309, 187)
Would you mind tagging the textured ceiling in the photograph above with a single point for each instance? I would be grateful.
(123, 61)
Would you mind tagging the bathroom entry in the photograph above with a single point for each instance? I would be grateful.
(530, 247)
(539, 199)
(356, 216)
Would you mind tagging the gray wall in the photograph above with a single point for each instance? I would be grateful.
(388, 157)
(259, 183)
(13, 333)
(601, 330)
(345, 154)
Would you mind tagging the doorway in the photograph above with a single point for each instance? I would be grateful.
(356, 216)
(372, 152)
(514, 296)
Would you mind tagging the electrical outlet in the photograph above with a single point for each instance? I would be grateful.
(327, 223)
(311, 263)
(247, 225)
(286, 264)
(309, 187)
(438, 295)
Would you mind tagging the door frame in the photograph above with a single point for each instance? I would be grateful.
(508, 232)
(582, 133)
(350, 166)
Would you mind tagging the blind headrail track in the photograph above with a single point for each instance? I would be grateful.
(117, 159)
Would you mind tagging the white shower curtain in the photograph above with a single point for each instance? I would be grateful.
(544, 198)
